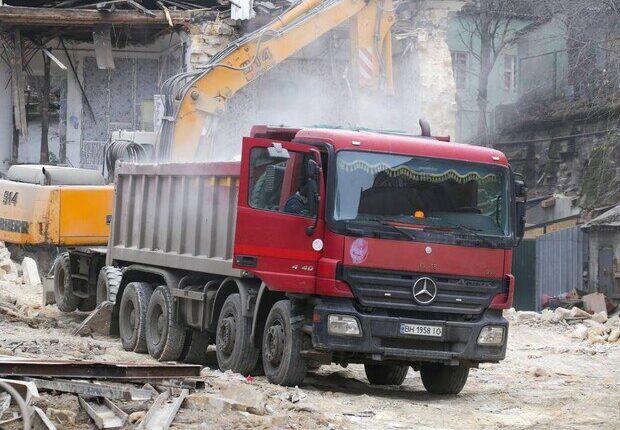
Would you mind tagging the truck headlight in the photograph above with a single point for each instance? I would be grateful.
(343, 325)
(491, 335)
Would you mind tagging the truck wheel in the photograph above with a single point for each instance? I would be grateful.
(234, 348)
(282, 347)
(132, 316)
(441, 379)
(165, 337)
(107, 283)
(386, 374)
(195, 349)
(66, 301)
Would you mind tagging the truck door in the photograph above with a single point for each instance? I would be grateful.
(274, 211)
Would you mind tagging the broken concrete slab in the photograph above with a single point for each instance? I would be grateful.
(48, 291)
(580, 332)
(63, 416)
(600, 317)
(595, 302)
(98, 321)
(30, 272)
(221, 405)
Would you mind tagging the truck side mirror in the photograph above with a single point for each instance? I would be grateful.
(520, 189)
(313, 172)
(521, 198)
(520, 220)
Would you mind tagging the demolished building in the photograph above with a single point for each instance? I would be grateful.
(106, 67)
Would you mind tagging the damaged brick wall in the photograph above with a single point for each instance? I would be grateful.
(207, 38)
(578, 157)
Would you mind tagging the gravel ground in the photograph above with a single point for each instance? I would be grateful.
(547, 379)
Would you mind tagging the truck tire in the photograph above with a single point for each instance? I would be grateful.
(282, 346)
(165, 337)
(386, 374)
(195, 349)
(107, 284)
(441, 379)
(234, 347)
(66, 301)
(132, 316)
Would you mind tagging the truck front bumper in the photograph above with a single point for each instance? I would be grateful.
(381, 338)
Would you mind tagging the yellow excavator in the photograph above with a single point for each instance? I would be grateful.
(50, 207)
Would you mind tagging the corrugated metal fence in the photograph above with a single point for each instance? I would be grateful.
(561, 258)
(524, 269)
(553, 265)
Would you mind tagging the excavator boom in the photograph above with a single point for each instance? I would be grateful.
(189, 125)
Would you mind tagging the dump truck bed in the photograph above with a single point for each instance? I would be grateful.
(176, 215)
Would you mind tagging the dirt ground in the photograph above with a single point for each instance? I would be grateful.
(548, 379)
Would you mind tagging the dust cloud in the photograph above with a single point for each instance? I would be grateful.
(303, 93)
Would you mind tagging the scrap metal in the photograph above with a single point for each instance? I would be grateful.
(104, 413)
(94, 369)
(94, 390)
(163, 411)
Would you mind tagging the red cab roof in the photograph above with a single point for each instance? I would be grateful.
(395, 143)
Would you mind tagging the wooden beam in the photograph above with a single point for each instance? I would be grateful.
(51, 17)
(18, 85)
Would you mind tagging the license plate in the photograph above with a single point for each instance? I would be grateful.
(421, 330)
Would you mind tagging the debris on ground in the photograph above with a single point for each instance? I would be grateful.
(10, 271)
(30, 272)
(544, 365)
(594, 328)
(294, 395)
(588, 302)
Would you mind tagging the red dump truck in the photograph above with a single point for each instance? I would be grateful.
(320, 246)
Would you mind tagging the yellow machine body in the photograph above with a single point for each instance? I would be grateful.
(55, 215)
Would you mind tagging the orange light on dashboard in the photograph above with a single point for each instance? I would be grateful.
(418, 214)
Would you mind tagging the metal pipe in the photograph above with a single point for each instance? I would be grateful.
(23, 407)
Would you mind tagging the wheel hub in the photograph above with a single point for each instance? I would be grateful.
(132, 319)
(160, 325)
(226, 335)
(275, 344)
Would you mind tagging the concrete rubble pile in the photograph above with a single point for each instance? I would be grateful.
(596, 328)
(26, 273)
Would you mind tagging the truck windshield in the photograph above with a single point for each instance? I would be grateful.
(431, 193)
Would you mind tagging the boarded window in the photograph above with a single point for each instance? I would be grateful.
(510, 73)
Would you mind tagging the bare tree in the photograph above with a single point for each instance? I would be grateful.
(488, 27)
(592, 32)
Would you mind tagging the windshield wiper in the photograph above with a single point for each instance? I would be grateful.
(471, 231)
(401, 231)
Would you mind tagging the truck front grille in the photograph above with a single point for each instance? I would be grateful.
(385, 289)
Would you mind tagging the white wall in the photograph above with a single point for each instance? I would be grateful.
(6, 117)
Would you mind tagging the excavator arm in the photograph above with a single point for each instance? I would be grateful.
(189, 123)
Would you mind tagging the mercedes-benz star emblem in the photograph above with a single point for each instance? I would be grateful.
(424, 290)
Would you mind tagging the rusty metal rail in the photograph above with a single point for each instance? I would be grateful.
(95, 369)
